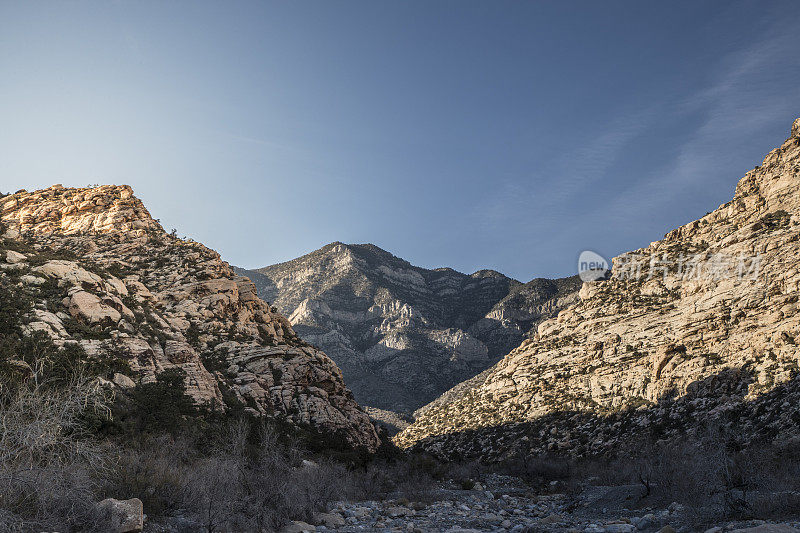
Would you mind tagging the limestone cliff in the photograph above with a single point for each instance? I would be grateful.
(716, 297)
(102, 272)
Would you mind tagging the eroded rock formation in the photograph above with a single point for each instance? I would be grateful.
(103, 273)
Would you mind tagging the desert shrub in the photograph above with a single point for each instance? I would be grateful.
(214, 489)
(13, 306)
(707, 472)
(35, 358)
(154, 472)
(540, 470)
(162, 405)
(215, 360)
(192, 335)
(246, 480)
(80, 330)
(49, 466)
(52, 294)
(412, 477)
(117, 270)
(773, 221)
(40, 257)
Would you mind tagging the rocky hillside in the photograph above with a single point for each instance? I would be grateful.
(92, 267)
(696, 326)
(401, 334)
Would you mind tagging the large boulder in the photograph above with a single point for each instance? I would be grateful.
(125, 516)
(89, 308)
(14, 257)
(68, 272)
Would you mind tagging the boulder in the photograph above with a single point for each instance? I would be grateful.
(87, 307)
(27, 279)
(297, 527)
(69, 272)
(14, 257)
(394, 512)
(619, 528)
(329, 520)
(122, 381)
(125, 516)
(551, 519)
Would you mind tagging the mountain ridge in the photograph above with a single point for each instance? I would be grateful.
(403, 334)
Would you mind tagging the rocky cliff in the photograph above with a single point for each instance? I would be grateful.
(695, 326)
(401, 334)
(99, 271)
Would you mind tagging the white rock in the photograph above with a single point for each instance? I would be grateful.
(86, 306)
(27, 279)
(15, 257)
(329, 519)
(123, 381)
(69, 272)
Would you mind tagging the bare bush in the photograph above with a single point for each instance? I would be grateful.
(705, 472)
(155, 473)
(239, 485)
(49, 471)
(215, 491)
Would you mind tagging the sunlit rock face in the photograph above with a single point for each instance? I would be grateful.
(401, 334)
(718, 293)
(119, 285)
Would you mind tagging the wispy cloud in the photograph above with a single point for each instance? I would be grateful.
(744, 101)
(548, 192)
(745, 97)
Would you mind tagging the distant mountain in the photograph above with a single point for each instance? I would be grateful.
(402, 334)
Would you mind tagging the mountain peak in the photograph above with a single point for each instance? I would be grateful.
(57, 209)
(402, 334)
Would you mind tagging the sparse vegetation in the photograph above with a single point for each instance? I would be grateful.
(773, 221)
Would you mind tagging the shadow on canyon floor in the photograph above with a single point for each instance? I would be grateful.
(713, 449)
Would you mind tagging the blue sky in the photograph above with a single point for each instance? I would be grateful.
(505, 135)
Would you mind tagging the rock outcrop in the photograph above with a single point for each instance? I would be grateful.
(102, 272)
(401, 334)
(719, 294)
